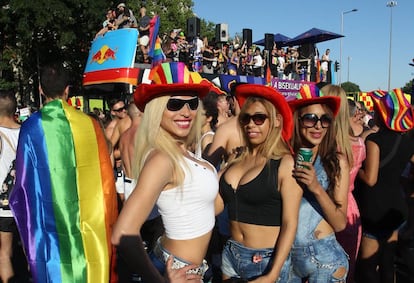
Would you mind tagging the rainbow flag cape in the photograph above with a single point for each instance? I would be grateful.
(64, 199)
(155, 50)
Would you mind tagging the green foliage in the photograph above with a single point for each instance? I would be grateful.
(350, 87)
(34, 33)
(408, 88)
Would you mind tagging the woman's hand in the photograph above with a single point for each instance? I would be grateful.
(180, 275)
(305, 174)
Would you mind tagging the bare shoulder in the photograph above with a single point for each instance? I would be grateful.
(287, 163)
(159, 160)
(229, 128)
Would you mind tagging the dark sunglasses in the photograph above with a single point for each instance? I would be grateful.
(258, 119)
(175, 104)
(119, 109)
(310, 120)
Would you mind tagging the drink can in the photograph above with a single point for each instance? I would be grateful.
(303, 155)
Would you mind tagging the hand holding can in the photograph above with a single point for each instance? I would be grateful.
(303, 155)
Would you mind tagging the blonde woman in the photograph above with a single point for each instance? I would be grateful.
(183, 186)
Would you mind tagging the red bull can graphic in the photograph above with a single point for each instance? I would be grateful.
(111, 58)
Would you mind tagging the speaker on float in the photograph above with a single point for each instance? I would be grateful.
(269, 41)
(247, 36)
(222, 32)
(193, 27)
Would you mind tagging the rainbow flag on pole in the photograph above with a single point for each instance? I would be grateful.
(64, 199)
(154, 49)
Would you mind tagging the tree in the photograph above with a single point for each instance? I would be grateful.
(46, 31)
(350, 87)
(408, 88)
(34, 33)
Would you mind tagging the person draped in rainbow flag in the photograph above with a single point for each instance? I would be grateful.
(64, 199)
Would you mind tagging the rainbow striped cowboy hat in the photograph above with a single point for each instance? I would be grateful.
(169, 79)
(310, 94)
(394, 109)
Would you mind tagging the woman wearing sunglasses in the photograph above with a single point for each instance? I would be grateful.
(183, 186)
(261, 195)
(316, 254)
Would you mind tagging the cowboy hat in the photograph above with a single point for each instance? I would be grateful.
(167, 79)
(394, 109)
(310, 94)
(243, 91)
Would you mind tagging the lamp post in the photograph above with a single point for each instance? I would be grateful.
(340, 42)
(349, 59)
(390, 4)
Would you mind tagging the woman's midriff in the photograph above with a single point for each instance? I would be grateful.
(254, 236)
(193, 250)
(323, 230)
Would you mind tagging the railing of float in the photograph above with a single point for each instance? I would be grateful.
(111, 70)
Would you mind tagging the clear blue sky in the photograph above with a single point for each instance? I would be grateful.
(367, 32)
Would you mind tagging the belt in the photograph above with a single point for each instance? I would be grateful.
(163, 255)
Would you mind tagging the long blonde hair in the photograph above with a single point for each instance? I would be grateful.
(341, 121)
(151, 136)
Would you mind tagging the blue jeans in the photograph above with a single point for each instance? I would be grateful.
(319, 260)
(245, 263)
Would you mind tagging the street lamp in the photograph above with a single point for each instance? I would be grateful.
(349, 59)
(340, 42)
(390, 4)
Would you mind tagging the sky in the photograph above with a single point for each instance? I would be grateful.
(366, 41)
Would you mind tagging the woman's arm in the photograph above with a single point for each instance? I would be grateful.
(232, 59)
(156, 174)
(369, 174)
(336, 217)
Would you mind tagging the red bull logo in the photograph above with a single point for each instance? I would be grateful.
(104, 54)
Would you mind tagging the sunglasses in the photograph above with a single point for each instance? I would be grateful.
(310, 120)
(175, 104)
(119, 109)
(258, 119)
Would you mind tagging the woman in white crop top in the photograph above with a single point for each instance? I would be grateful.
(183, 186)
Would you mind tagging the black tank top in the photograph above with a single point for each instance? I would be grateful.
(256, 202)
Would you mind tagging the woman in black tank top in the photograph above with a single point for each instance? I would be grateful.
(256, 185)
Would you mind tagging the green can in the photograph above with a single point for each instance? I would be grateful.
(304, 154)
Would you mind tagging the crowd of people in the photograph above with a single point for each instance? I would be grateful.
(188, 183)
(205, 55)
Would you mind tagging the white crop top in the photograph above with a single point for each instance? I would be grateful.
(187, 211)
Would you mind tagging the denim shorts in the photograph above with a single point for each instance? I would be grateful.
(319, 261)
(159, 257)
(380, 235)
(246, 263)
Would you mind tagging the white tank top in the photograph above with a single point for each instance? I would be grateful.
(187, 211)
(7, 155)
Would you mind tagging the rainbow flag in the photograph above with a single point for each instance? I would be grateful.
(64, 199)
(155, 51)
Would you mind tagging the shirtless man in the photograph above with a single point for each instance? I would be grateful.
(120, 123)
(228, 140)
(126, 146)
